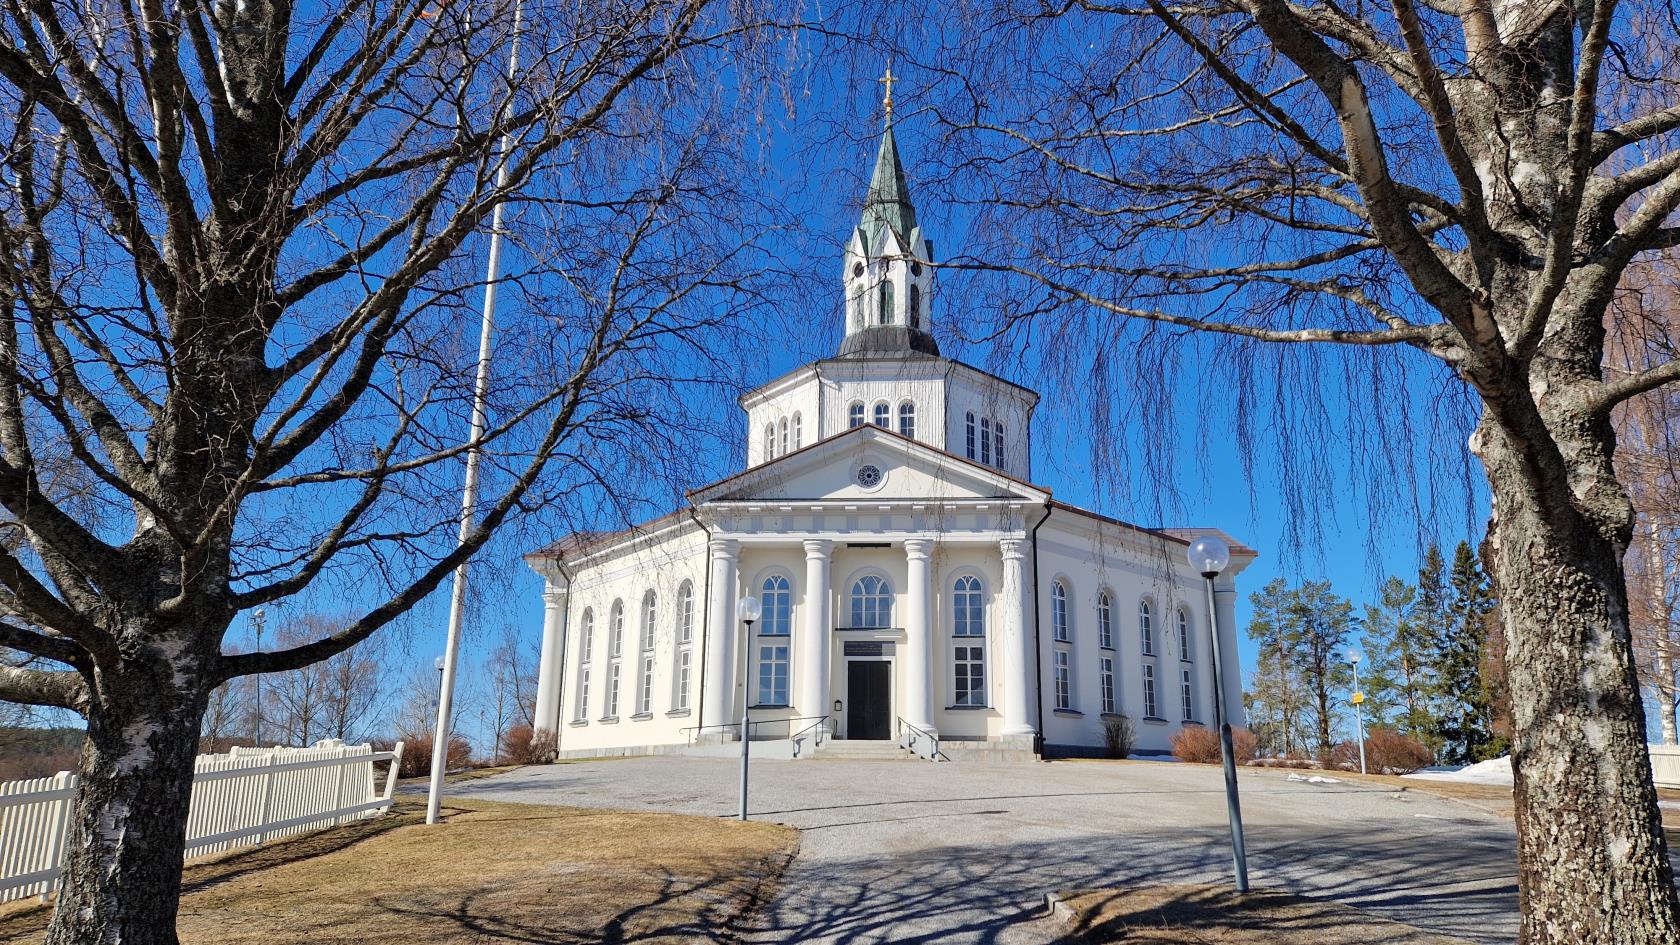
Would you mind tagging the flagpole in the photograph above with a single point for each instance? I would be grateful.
(469, 489)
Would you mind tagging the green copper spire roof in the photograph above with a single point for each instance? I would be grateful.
(888, 201)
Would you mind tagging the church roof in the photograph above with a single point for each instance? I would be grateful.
(888, 202)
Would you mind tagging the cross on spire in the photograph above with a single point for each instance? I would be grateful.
(888, 81)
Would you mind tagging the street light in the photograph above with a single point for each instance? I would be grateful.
(258, 616)
(748, 609)
(1358, 701)
(1209, 556)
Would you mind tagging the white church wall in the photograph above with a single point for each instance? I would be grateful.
(799, 397)
(661, 566)
(971, 391)
(953, 560)
(919, 381)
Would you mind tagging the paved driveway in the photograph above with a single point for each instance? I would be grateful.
(958, 853)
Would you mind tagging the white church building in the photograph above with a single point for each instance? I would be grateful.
(917, 587)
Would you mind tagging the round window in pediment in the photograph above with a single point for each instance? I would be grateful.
(869, 475)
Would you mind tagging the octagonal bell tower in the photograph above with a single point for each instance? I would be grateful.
(887, 278)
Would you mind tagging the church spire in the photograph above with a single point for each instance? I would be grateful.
(887, 279)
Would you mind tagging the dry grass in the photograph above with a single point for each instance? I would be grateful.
(489, 873)
(1217, 915)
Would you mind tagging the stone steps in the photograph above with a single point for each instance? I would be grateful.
(852, 749)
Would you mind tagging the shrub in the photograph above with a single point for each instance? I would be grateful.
(522, 746)
(1201, 744)
(1386, 752)
(417, 754)
(1196, 743)
(1119, 735)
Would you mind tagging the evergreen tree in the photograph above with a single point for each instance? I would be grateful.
(1384, 673)
(1318, 626)
(1276, 701)
(1465, 723)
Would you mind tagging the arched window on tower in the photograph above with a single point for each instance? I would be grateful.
(883, 415)
(986, 440)
(769, 442)
(907, 419)
(854, 414)
(886, 302)
(997, 446)
(915, 306)
(784, 447)
(796, 436)
(970, 419)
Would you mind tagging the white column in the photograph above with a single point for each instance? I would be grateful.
(721, 631)
(918, 636)
(1225, 603)
(1017, 676)
(814, 644)
(553, 657)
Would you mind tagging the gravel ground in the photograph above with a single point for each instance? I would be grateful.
(913, 852)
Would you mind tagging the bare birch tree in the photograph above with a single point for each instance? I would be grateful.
(1460, 183)
(241, 258)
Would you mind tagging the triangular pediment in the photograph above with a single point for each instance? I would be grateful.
(845, 467)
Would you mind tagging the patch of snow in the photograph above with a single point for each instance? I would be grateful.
(1315, 779)
(1495, 771)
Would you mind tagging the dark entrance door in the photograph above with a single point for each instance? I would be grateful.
(868, 696)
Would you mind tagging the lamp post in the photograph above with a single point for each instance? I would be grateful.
(748, 610)
(438, 664)
(1209, 556)
(1358, 701)
(258, 616)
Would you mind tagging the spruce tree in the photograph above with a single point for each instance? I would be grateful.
(1275, 698)
(1318, 627)
(1465, 724)
(1386, 673)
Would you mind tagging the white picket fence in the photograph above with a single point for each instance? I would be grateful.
(245, 797)
(1665, 765)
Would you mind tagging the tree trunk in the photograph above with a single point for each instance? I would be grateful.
(1590, 846)
(122, 873)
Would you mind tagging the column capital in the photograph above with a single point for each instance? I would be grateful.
(917, 547)
(1012, 548)
(816, 548)
(724, 547)
(555, 596)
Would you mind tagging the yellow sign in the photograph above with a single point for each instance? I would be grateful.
(1358, 698)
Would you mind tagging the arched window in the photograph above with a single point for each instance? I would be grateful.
(915, 306)
(644, 689)
(1059, 612)
(615, 657)
(586, 648)
(1186, 695)
(886, 302)
(796, 438)
(883, 415)
(769, 442)
(871, 603)
(907, 419)
(968, 656)
(1146, 629)
(1105, 621)
(1150, 710)
(682, 683)
(774, 631)
(784, 447)
(1106, 680)
(986, 440)
(854, 414)
(1184, 650)
(970, 420)
(997, 446)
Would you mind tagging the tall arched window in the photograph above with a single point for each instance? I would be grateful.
(871, 603)
(907, 420)
(775, 628)
(1184, 650)
(883, 415)
(970, 420)
(968, 655)
(986, 440)
(915, 306)
(796, 437)
(615, 657)
(887, 302)
(1059, 612)
(854, 414)
(784, 446)
(1146, 628)
(769, 442)
(586, 649)
(682, 682)
(997, 447)
(1105, 621)
(644, 688)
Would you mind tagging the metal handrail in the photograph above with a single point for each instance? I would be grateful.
(914, 731)
(821, 728)
(692, 731)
